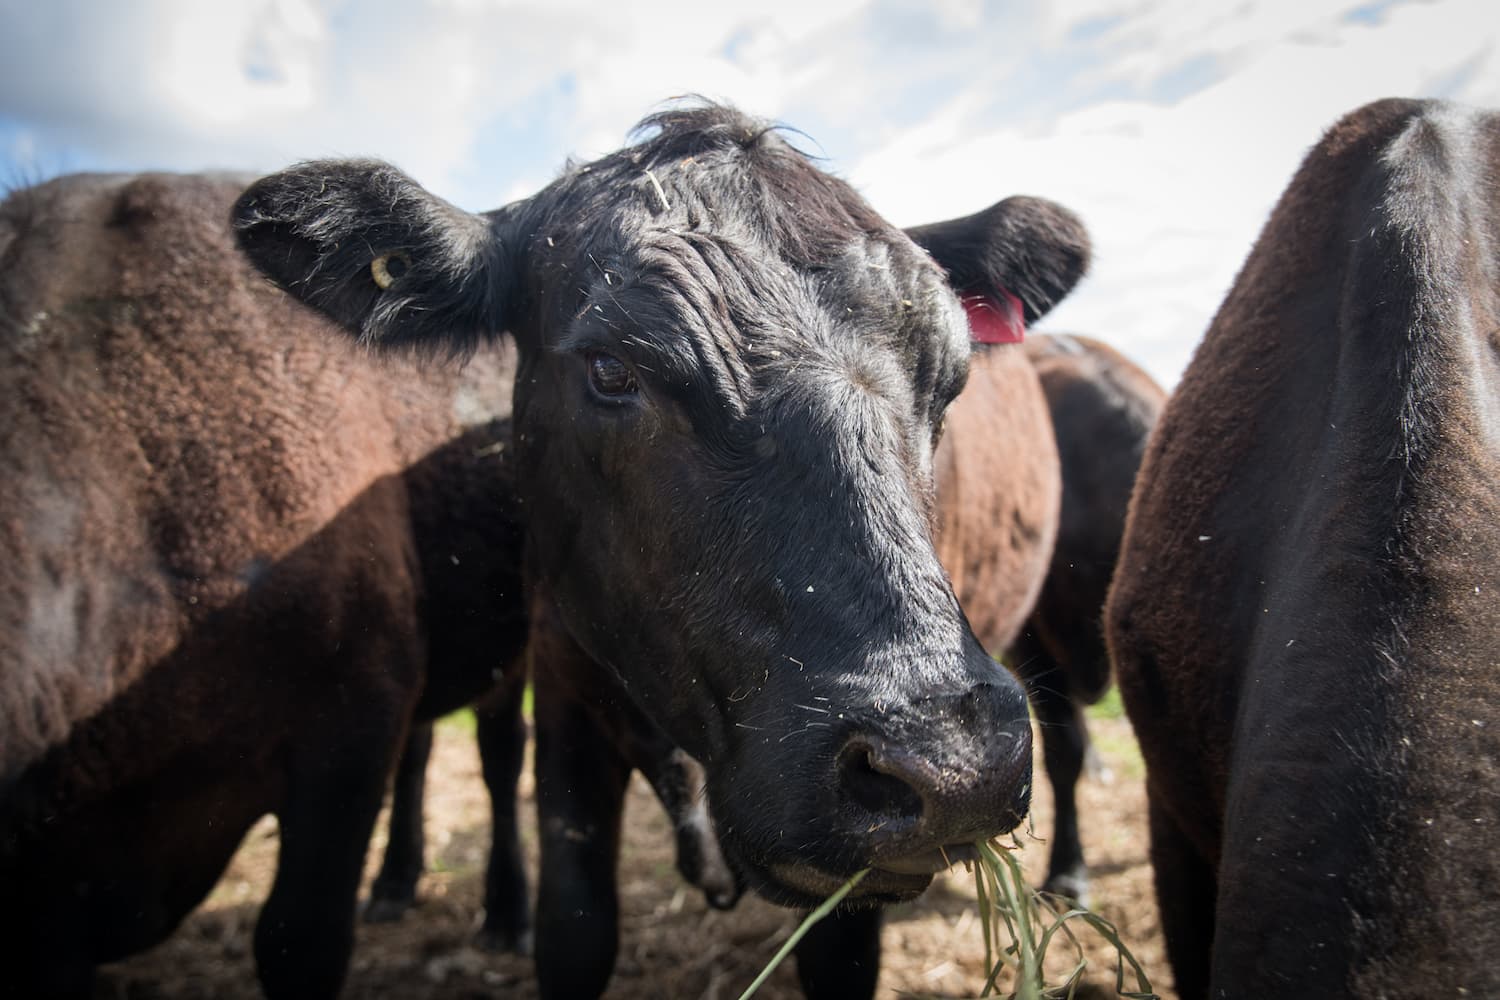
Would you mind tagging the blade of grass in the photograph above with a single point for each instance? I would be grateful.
(802, 928)
(984, 927)
(1008, 955)
(1011, 892)
(1017, 896)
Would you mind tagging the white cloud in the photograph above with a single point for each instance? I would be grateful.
(1174, 194)
(275, 70)
(1170, 125)
(179, 83)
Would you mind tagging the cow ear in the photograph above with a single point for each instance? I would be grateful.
(366, 245)
(1030, 247)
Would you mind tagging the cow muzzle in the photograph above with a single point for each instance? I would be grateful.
(966, 779)
(914, 790)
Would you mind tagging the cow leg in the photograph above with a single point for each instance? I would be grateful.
(395, 888)
(580, 795)
(44, 954)
(1186, 894)
(305, 933)
(678, 781)
(839, 958)
(1065, 745)
(502, 749)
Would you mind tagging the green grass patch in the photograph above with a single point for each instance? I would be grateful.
(1108, 707)
(462, 721)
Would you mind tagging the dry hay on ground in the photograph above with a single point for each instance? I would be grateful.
(672, 945)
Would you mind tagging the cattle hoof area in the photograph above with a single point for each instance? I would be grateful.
(673, 944)
(1070, 888)
(386, 911)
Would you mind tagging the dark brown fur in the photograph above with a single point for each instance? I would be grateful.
(229, 567)
(1103, 407)
(1304, 618)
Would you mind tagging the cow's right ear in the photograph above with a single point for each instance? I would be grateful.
(1031, 248)
(368, 246)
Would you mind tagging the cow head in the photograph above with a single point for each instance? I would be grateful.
(732, 377)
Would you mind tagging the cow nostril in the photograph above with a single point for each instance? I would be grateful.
(874, 789)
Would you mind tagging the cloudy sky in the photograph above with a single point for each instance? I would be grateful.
(1169, 125)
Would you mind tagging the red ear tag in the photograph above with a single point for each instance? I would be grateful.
(995, 320)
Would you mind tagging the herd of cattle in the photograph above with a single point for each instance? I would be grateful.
(737, 493)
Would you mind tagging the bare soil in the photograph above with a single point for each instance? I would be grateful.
(672, 944)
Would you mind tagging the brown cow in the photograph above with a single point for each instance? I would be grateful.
(1304, 617)
(1103, 407)
(240, 556)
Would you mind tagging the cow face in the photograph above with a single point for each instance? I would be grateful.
(732, 377)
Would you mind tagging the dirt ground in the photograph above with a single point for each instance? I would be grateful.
(672, 945)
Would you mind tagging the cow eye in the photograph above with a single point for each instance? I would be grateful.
(609, 376)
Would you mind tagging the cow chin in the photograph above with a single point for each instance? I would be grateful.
(804, 887)
(892, 880)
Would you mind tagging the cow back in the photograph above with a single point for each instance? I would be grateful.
(175, 428)
(998, 489)
(1303, 619)
(1103, 407)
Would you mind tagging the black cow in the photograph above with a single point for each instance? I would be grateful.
(1103, 407)
(1304, 617)
(732, 377)
(998, 486)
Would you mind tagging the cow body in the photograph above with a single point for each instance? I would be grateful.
(1103, 407)
(1304, 617)
(998, 492)
(233, 575)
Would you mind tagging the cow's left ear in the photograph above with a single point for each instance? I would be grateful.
(1030, 247)
(368, 246)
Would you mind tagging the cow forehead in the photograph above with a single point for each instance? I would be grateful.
(723, 306)
(713, 175)
(718, 246)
